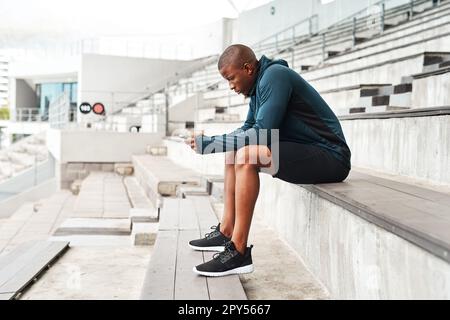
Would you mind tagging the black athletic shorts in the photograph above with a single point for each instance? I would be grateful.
(307, 164)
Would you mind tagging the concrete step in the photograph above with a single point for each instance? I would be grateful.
(398, 35)
(384, 108)
(142, 208)
(93, 226)
(144, 233)
(374, 70)
(431, 89)
(160, 177)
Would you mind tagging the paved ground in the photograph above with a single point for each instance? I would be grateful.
(279, 271)
(102, 267)
(94, 273)
(35, 220)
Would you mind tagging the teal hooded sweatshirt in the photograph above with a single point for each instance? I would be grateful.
(281, 99)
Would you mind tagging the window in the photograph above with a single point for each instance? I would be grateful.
(48, 92)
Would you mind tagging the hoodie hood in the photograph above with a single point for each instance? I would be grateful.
(264, 63)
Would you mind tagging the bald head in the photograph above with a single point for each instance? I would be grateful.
(237, 55)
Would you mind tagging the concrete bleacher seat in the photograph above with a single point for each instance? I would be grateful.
(366, 238)
(160, 177)
(337, 224)
(416, 214)
(311, 53)
(22, 155)
(417, 26)
(169, 275)
(21, 266)
(412, 143)
(386, 70)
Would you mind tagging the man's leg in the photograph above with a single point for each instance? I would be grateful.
(227, 224)
(248, 160)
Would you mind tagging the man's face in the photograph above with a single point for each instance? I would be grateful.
(240, 79)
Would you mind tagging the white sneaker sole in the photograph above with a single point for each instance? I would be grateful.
(220, 248)
(240, 270)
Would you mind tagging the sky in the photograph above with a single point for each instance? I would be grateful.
(114, 17)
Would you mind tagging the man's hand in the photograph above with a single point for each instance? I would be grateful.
(191, 140)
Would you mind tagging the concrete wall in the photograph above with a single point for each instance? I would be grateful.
(98, 146)
(25, 127)
(67, 173)
(431, 91)
(185, 110)
(43, 190)
(412, 147)
(353, 258)
(25, 96)
(259, 23)
(115, 80)
(30, 178)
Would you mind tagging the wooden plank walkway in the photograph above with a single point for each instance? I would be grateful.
(102, 195)
(170, 274)
(21, 266)
(419, 215)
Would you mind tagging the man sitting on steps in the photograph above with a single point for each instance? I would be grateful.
(290, 132)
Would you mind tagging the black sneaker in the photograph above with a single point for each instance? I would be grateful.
(213, 241)
(229, 261)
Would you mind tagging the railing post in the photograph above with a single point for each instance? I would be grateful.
(292, 57)
(382, 12)
(310, 26)
(166, 96)
(354, 31)
(323, 47)
(411, 9)
(276, 42)
(293, 35)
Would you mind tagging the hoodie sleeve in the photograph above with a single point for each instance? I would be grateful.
(275, 91)
(249, 122)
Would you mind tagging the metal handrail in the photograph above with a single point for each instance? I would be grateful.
(257, 46)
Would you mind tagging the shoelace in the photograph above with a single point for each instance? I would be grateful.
(210, 234)
(225, 254)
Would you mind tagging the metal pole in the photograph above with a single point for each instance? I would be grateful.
(411, 9)
(323, 47)
(292, 57)
(293, 35)
(382, 16)
(310, 26)
(166, 94)
(354, 31)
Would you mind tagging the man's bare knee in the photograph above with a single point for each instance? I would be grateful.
(230, 158)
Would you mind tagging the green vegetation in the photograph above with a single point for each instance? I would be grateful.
(4, 113)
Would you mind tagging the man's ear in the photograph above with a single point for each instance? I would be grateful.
(249, 68)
